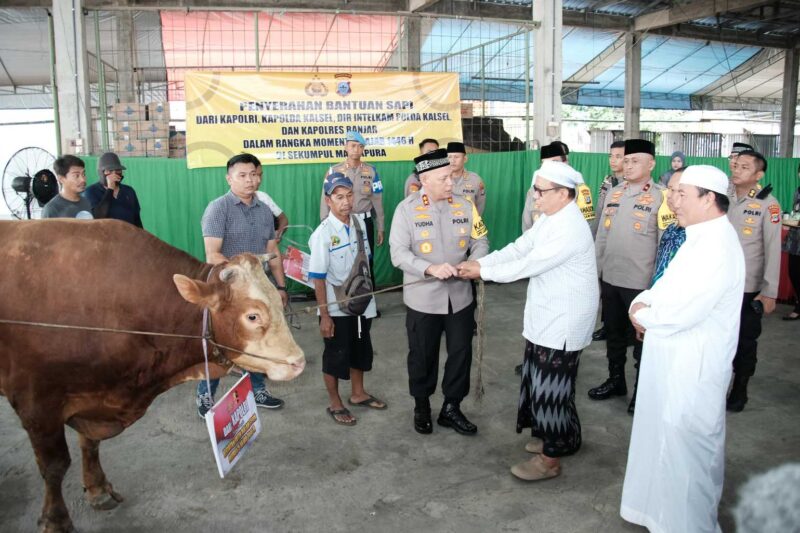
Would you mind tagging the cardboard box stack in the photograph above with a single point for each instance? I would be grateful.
(141, 130)
(177, 144)
(157, 148)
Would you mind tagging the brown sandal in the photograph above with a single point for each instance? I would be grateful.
(341, 412)
(371, 401)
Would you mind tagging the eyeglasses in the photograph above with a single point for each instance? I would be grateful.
(540, 192)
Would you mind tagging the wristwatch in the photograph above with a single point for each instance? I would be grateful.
(280, 288)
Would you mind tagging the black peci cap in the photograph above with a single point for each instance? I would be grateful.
(431, 160)
(456, 147)
(554, 149)
(639, 146)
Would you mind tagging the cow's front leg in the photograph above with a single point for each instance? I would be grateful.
(52, 458)
(99, 492)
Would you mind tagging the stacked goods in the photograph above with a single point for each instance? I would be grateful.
(157, 147)
(127, 117)
(177, 144)
(141, 130)
(130, 148)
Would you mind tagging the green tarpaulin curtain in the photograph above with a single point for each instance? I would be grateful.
(173, 198)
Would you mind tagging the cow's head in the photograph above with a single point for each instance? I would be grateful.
(247, 314)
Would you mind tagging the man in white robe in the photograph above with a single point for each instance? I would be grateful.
(557, 256)
(690, 322)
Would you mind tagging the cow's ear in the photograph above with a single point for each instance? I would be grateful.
(196, 292)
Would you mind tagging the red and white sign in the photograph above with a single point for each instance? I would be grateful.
(295, 265)
(233, 424)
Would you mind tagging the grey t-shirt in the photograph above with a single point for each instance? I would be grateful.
(60, 207)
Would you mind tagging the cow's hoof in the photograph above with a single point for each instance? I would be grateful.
(103, 499)
(50, 526)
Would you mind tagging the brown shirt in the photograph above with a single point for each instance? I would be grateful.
(367, 191)
(426, 233)
(757, 222)
(471, 185)
(628, 235)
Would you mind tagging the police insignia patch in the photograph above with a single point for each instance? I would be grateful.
(462, 243)
(774, 213)
(335, 240)
(747, 230)
(637, 226)
(426, 247)
(607, 223)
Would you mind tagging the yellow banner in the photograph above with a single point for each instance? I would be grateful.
(289, 117)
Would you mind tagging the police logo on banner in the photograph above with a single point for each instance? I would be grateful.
(316, 88)
(343, 84)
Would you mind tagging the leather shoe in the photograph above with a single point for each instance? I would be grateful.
(632, 406)
(451, 417)
(535, 446)
(613, 386)
(535, 469)
(518, 370)
(738, 396)
(600, 334)
(422, 421)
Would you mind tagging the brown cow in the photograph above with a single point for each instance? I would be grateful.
(110, 274)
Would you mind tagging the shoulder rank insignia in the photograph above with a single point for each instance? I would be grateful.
(763, 193)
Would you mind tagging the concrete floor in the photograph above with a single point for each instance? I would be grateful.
(304, 473)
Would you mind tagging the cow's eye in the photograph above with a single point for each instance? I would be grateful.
(252, 317)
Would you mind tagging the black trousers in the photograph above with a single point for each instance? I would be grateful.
(424, 338)
(744, 363)
(794, 276)
(615, 304)
(369, 223)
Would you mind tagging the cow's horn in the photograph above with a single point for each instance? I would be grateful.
(226, 274)
(266, 258)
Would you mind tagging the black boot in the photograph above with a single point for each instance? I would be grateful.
(613, 386)
(451, 417)
(738, 396)
(632, 405)
(422, 416)
(518, 370)
(600, 334)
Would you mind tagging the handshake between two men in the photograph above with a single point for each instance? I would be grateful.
(464, 270)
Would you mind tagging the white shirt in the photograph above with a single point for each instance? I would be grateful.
(557, 254)
(673, 481)
(333, 251)
(267, 199)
